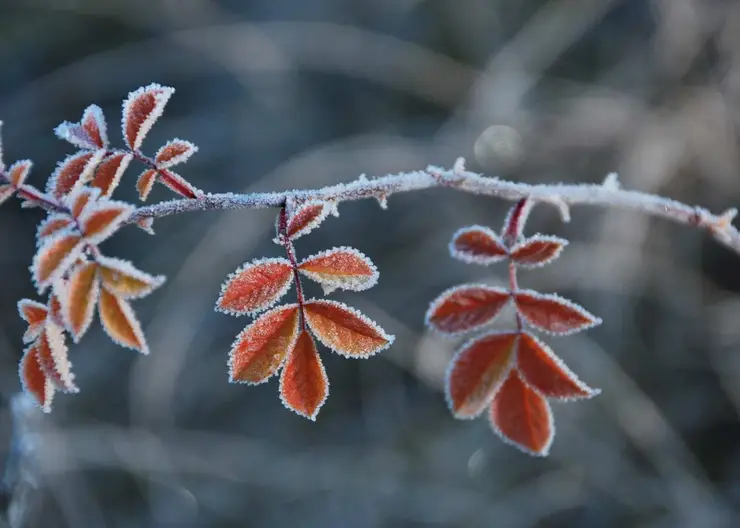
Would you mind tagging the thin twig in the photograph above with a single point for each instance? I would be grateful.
(607, 194)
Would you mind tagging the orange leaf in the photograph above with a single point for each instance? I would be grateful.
(537, 250)
(53, 224)
(103, 219)
(53, 356)
(304, 386)
(255, 286)
(110, 171)
(466, 307)
(93, 123)
(73, 171)
(306, 218)
(122, 279)
(261, 348)
(546, 373)
(79, 299)
(34, 313)
(55, 257)
(120, 323)
(522, 417)
(477, 245)
(175, 152)
(477, 371)
(141, 110)
(552, 313)
(341, 267)
(145, 183)
(89, 133)
(345, 330)
(34, 380)
(79, 199)
(6, 191)
(18, 172)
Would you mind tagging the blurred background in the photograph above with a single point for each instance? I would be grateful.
(286, 94)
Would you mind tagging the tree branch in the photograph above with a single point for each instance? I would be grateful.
(607, 194)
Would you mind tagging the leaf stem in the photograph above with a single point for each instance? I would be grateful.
(290, 252)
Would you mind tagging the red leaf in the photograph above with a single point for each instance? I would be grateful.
(80, 296)
(304, 386)
(537, 250)
(141, 110)
(552, 313)
(466, 307)
(18, 172)
(109, 173)
(341, 267)
(477, 245)
(477, 371)
(306, 218)
(175, 152)
(53, 356)
(102, 219)
(55, 257)
(545, 372)
(53, 224)
(261, 348)
(345, 330)
(255, 286)
(75, 170)
(522, 417)
(34, 380)
(145, 183)
(89, 133)
(120, 322)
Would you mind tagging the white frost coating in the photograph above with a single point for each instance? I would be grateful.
(611, 182)
(471, 258)
(85, 175)
(590, 392)
(161, 96)
(560, 242)
(359, 315)
(70, 200)
(91, 211)
(34, 329)
(449, 292)
(453, 363)
(64, 265)
(165, 162)
(249, 266)
(54, 338)
(127, 269)
(557, 299)
(322, 371)
(247, 329)
(95, 113)
(546, 449)
(63, 293)
(132, 321)
(48, 384)
(335, 276)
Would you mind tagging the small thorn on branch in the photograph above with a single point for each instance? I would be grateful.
(611, 182)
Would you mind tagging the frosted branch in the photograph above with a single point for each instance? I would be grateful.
(562, 196)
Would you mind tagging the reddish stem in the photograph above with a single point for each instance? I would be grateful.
(290, 252)
(513, 230)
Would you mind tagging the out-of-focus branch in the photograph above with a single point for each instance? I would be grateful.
(607, 194)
